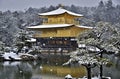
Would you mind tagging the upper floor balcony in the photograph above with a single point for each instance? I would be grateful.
(67, 21)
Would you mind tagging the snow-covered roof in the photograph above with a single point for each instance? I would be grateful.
(49, 26)
(59, 11)
(91, 48)
(84, 27)
(56, 26)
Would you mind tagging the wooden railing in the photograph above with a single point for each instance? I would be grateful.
(62, 22)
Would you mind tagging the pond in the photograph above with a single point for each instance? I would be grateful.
(51, 69)
(24, 70)
(112, 71)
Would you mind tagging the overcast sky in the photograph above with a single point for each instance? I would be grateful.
(25, 4)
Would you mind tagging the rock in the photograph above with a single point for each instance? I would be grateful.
(68, 76)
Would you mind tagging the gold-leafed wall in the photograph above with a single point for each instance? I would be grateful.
(60, 19)
(75, 31)
(71, 31)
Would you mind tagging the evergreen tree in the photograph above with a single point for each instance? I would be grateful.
(51, 8)
(101, 6)
(99, 14)
(74, 8)
(109, 5)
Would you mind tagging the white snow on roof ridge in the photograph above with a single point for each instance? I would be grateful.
(57, 26)
(60, 11)
(50, 26)
(84, 27)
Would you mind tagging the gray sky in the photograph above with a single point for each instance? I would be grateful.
(25, 4)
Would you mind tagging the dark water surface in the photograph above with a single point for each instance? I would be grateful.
(33, 69)
(112, 71)
(24, 70)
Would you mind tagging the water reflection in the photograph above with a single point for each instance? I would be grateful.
(15, 70)
(51, 69)
(26, 70)
(113, 71)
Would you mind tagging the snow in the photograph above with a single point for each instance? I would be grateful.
(94, 77)
(56, 26)
(91, 48)
(68, 76)
(59, 11)
(25, 54)
(11, 54)
(81, 45)
(50, 26)
(91, 78)
(31, 40)
(41, 67)
(85, 27)
(73, 39)
(15, 56)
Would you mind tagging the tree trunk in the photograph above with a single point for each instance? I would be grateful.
(101, 73)
(101, 67)
(88, 71)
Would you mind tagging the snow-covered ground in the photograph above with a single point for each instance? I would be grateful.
(10, 55)
(70, 77)
(95, 77)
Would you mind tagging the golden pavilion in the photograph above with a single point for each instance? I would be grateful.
(59, 30)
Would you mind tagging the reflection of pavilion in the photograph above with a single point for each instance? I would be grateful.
(59, 30)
